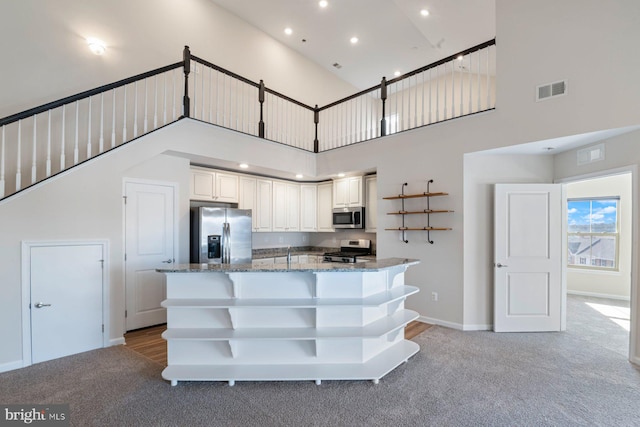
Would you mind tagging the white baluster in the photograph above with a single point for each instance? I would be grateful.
(155, 102)
(210, 96)
(113, 120)
(453, 88)
(33, 154)
(75, 145)
(89, 132)
(470, 89)
(488, 80)
(19, 169)
(164, 97)
(145, 124)
(224, 103)
(173, 75)
(444, 97)
(62, 157)
(195, 90)
(135, 107)
(2, 165)
(124, 115)
(101, 140)
(430, 87)
(48, 165)
(422, 98)
(202, 95)
(461, 89)
(479, 91)
(217, 92)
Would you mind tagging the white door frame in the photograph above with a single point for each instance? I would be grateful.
(176, 228)
(26, 289)
(633, 169)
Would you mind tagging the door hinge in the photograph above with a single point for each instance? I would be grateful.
(101, 263)
(103, 328)
(125, 199)
(125, 257)
(125, 313)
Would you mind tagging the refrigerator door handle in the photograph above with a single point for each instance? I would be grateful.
(226, 239)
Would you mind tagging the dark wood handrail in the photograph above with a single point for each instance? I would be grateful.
(82, 95)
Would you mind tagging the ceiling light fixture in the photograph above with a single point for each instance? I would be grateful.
(97, 47)
(323, 3)
(424, 12)
(397, 73)
(354, 40)
(299, 176)
(341, 174)
(243, 165)
(288, 31)
(460, 58)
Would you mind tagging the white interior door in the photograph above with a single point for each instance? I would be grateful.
(149, 242)
(528, 287)
(66, 300)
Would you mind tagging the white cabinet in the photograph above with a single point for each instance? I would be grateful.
(255, 194)
(325, 207)
(286, 206)
(262, 325)
(348, 192)
(308, 207)
(210, 185)
(371, 206)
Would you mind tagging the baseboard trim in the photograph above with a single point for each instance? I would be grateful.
(477, 327)
(11, 366)
(597, 295)
(635, 360)
(116, 341)
(439, 322)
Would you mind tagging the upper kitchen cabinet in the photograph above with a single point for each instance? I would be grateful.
(214, 186)
(371, 208)
(286, 206)
(348, 192)
(308, 207)
(325, 207)
(255, 194)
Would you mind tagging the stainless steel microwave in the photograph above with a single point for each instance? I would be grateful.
(348, 217)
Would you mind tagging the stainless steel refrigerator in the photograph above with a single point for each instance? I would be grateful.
(220, 235)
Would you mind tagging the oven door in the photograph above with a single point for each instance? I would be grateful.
(348, 218)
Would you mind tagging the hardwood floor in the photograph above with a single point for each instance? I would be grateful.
(150, 344)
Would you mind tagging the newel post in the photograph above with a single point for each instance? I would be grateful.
(186, 56)
(383, 97)
(261, 100)
(316, 120)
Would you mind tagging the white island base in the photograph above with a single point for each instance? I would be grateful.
(277, 322)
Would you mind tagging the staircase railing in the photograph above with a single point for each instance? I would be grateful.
(44, 141)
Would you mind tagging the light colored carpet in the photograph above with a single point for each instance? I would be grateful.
(457, 379)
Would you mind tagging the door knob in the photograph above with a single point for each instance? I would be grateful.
(40, 305)
(501, 265)
(169, 261)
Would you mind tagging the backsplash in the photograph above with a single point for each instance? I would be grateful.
(322, 240)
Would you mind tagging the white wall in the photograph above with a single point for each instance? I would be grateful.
(614, 284)
(46, 55)
(86, 203)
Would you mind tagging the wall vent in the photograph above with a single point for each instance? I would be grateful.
(595, 153)
(551, 90)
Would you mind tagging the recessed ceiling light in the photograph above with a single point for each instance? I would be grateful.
(424, 12)
(243, 165)
(299, 175)
(354, 40)
(96, 46)
(323, 3)
(460, 58)
(341, 174)
(397, 73)
(288, 31)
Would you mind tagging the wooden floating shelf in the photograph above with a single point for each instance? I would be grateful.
(413, 196)
(418, 229)
(425, 211)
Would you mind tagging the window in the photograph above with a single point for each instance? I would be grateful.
(593, 233)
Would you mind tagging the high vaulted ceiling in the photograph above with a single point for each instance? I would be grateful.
(392, 34)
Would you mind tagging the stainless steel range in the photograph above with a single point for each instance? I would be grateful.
(350, 250)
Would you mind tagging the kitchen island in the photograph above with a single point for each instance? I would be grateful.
(296, 321)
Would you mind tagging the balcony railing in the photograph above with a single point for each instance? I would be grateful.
(46, 140)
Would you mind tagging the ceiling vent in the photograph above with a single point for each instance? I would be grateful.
(551, 90)
(595, 153)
